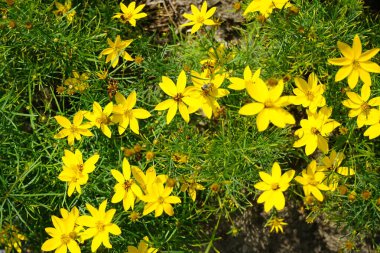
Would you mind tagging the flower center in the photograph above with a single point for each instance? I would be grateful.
(310, 95)
(128, 184)
(100, 226)
(73, 235)
(268, 104)
(365, 108)
(248, 83)
(73, 129)
(80, 167)
(128, 114)
(178, 97)
(103, 120)
(315, 131)
(312, 181)
(126, 16)
(200, 19)
(65, 239)
(275, 186)
(161, 200)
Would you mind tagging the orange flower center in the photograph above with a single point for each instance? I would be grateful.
(309, 95)
(126, 16)
(161, 200)
(365, 108)
(65, 239)
(275, 186)
(268, 104)
(200, 19)
(103, 120)
(178, 97)
(128, 184)
(315, 131)
(100, 226)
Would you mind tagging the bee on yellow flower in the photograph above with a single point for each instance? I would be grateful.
(116, 50)
(130, 13)
(198, 18)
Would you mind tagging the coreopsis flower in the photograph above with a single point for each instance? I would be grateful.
(99, 225)
(130, 13)
(147, 179)
(273, 186)
(73, 131)
(276, 224)
(126, 188)
(72, 214)
(268, 106)
(102, 75)
(75, 171)
(332, 163)
(355, 64)
(266, 7)
(309, 94)
(312, 181)
(63, 235)
(116, 50)
(125, 115)
(198, 18)
(180, 98)
(65, 10)
(207, 90)
(101, 118)
(314, 130)
(191, 186)
(142, 248)
(360, 106)
(374, 130)
(77, 83)
(249, 79)
(10, 238)
(159, 200)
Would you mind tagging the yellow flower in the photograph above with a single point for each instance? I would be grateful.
(361, 107)
(198, 18)
(63, 235)
(75, 172)
(124, 114)
(10, 238)
(77, 82)
(276, 224)
(309, 94)
(126, 189)
(314, 130)
(142, 248)
(146, 180)
(102, 75)
(116, 50)
(374, 130)
(249, 79)
(180, 98)
(207, 90)
(73, 131)
(72, 214)
(354, 63)
(268, 106)
(312, 181)
(99, 118)
(64, 10)
(266, 7)
(130, 13)
(191, 186)
(159, 200)
(333, 162)
(99, 225)
(273, 186)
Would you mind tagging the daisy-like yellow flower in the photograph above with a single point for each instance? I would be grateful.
(126, 188)
(268, 106)
(266, 7)
(116, 50)
(125, 115)
(142, 248)
(333, 162)
(64, 10)
(191, 186)
(360, 106)
(276, 224)
(314, 130)
(99, 118)
(159, 200)
(207, 90)
(374, 130)
(75, 172)
(10, 238)
(273, 186)
(312, 181)
(355, 64)
(99, 225)
(130, 13)
(249, 79)
(73, 131)
(198, 18)
(309, 94)
(146, 180)
(180, 98)
(62, 235)
(73, 214)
